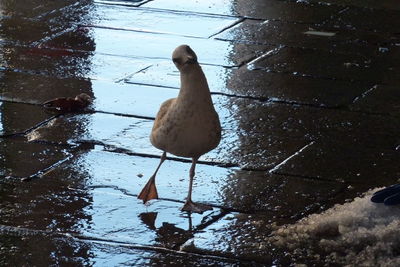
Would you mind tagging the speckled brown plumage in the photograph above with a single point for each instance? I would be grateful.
(186, 126)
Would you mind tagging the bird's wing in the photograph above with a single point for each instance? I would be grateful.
(389, 195)
(162, 112)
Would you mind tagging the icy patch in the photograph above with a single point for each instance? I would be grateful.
(359, 233)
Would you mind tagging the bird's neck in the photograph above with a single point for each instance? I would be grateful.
(194, 86)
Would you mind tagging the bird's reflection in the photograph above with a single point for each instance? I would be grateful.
(149, 219)
(168, 235)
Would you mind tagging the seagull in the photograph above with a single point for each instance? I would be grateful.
(186, 126)
(389, 196)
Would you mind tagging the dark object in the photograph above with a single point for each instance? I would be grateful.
(68, 104)
(149, 218)
(389, 196)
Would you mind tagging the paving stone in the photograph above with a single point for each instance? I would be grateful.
(133, 134)
(278, 197)
(17, 117)
(283, 129)
(236, 235)
(165, 74)
(156, 20)
(367, 19)
(45, 20)
(32, 88)
(297, 148)
(132, 99)
(45, 64)
(44, 61)
(160, 46)
(386, 4)
(309, 36)
(353, 163)
(245, 129)
(317, 63)
(380, 99)
(18, 250)
(123, 132)
(260, 9)
(293, 88)
(87, 201)
(21, 159)
(32, 9)
(286, 11)
(259, 83)
(222, 7)
(42, 250)
(134, 3)
(242, 235)
(275, 123)
(21, 30)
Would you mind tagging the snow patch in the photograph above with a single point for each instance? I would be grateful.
(355, 233)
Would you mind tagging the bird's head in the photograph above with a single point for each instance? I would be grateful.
(184, 57)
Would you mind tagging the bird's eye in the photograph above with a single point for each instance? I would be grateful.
(176, 60)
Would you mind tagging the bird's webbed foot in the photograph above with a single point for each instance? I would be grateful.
(149, 191)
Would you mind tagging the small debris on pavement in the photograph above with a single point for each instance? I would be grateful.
(68, 104)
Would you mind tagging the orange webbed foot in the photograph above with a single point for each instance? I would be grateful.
(149, 191)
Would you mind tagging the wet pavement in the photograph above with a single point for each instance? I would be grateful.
(308, 97)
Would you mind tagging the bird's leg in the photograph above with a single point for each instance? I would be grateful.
(189, 204)
(149, 191)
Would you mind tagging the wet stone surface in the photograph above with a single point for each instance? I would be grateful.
(289, 88)
(306, 91)
(367, 19)
(310, 62)
(380, 99)
(221, 7)
(21, 159)
(223, 53)
(18, 118)
(156, 20)
(327, 37)
(329, 160)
